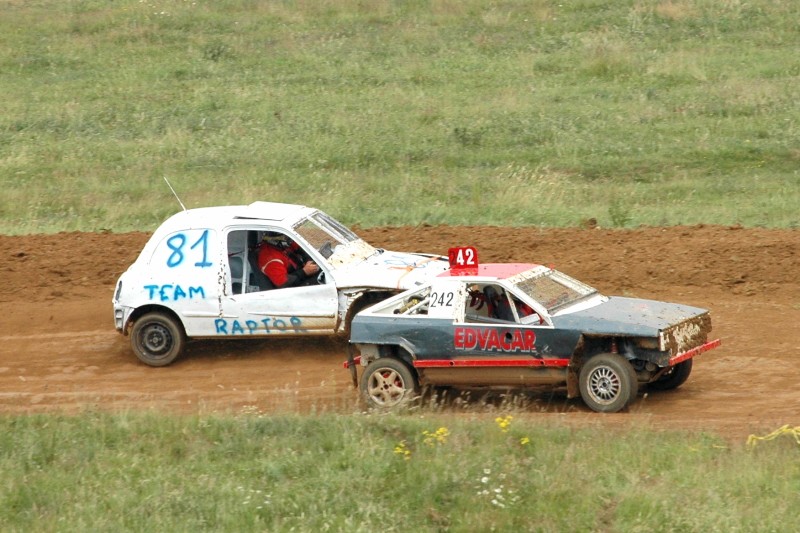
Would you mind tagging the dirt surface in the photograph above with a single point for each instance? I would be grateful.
(59, 350)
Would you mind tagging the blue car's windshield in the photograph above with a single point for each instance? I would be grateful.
(555, 289)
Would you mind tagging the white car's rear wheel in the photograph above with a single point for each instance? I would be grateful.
(157, 339)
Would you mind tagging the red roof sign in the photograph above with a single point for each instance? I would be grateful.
(463, 260)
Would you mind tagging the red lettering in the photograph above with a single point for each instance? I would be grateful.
(470, 339)
(458, 341)
(482, 336)
(530, 340)
(493, 341)
(465, 339)
(504, 342)
(517, 345)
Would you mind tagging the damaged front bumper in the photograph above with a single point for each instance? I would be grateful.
(688, 354)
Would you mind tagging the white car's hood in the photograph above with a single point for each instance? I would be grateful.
(391, 270)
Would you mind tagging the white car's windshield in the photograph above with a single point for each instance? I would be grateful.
(333, 239)
(554, 289)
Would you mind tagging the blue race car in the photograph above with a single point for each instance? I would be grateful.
(522, 325)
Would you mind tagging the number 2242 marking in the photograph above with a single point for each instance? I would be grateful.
(444, 299)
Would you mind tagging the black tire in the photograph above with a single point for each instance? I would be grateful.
(674, 377)
(388, 383)
(608, 383)
(157, 339)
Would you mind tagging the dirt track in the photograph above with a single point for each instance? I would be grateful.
(59, 350)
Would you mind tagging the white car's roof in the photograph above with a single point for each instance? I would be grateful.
(281, 215)
(220, 216)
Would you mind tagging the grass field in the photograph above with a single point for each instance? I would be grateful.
(518, 112)
(143, 472)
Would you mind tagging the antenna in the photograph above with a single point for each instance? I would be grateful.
(173, 192)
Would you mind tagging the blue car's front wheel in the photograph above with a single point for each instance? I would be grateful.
(608, 383)
(674, 377)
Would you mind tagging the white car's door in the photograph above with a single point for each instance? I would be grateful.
(248, 310)
(294, 311)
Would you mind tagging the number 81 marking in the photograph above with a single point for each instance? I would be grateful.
(177, 242)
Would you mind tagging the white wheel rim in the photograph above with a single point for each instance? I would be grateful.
(386, 387)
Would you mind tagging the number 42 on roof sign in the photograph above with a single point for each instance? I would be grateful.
(463, 260)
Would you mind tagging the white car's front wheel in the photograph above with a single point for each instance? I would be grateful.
(388, 382)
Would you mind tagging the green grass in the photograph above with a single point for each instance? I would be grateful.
(516, 112)
(135, 472)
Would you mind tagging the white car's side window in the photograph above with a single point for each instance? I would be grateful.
(243, 262)
(237, 261)
(267, 259)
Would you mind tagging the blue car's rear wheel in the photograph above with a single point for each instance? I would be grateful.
(388, 382)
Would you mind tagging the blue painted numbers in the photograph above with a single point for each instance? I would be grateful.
(253, 327)
(183, 249)
(177, 246)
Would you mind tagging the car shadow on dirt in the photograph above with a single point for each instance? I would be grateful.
(330, 350)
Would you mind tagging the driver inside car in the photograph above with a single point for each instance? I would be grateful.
(283, 262)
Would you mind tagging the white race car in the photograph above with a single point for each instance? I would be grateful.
(197, 277)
